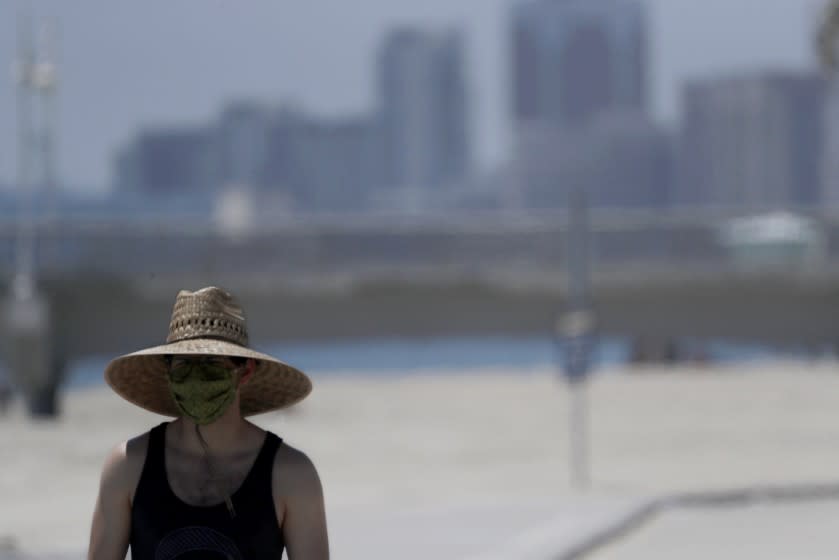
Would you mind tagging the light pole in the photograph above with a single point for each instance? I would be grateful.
(575, 328)
(27, 332)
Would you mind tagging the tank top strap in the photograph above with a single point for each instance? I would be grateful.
(153, 476)
(155, 456)
(260, 475)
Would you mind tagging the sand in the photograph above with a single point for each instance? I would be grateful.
(469, 464)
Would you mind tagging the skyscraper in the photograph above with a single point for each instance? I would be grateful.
(579, 91)
(243, 131)
(320, 164)
(169, 162)
(423, 108)
(752, 142)
(278, 154)
(830, 147)
(621, 160)
(572, 59)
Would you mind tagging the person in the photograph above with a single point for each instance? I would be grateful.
(208, 484)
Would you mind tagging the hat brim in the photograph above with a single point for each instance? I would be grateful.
(140, 377)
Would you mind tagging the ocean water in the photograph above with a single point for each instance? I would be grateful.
(401, 356)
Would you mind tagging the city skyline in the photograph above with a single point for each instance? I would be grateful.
(108, 94)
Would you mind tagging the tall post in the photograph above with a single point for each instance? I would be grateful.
(23, 285)
(28, 347)
(579, 440)
(575, 331)
(46, 84)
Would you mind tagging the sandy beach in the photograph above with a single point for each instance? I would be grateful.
(475, 464)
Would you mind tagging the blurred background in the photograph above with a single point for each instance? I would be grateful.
(570, 256)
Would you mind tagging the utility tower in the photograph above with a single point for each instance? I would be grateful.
(28, 343)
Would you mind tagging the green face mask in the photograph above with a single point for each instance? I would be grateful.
(202, 391)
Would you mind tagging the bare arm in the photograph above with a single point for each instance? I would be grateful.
(299, 495)
(111, 526)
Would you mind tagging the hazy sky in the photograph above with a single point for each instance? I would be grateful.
(127, 65)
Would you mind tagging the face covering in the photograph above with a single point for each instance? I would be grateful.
(202, 391)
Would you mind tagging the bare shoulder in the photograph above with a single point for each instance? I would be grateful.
(124, 465)
(293, 470)
(299, 503)
(111, 527)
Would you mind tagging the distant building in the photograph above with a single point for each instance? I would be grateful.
(572, 59)
(778, 239)
(830, 161)
(576, 65)
(277, 155)
(632, 162)
(752, 142)
(324, 164)
(170, 162)
(283, 173)
(621, 160)
(243, 131)
(423, 108)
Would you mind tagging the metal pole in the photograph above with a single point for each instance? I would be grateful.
(579, 419)
(578, 327)
(28, 346)
(46, 84)
(579, 281)
(24, 282)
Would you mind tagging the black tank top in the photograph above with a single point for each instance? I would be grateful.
(163, 527)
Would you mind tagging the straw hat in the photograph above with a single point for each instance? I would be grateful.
(208, 322)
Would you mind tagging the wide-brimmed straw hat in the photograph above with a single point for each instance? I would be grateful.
(208, 322)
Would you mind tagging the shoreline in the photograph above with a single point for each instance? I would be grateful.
(613, 359)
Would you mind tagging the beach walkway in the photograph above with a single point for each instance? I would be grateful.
(804, 531)
(474, 465)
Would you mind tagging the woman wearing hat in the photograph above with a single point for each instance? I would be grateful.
(209, 484)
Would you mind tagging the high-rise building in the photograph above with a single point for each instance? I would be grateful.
(169, 162)
(575, 66)
(620, 160)
(242, 142)
(830, 163)
(632, 162)
(752, 142)
(277, 154)
(423, 108)
(572, 59)
(322, 164)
